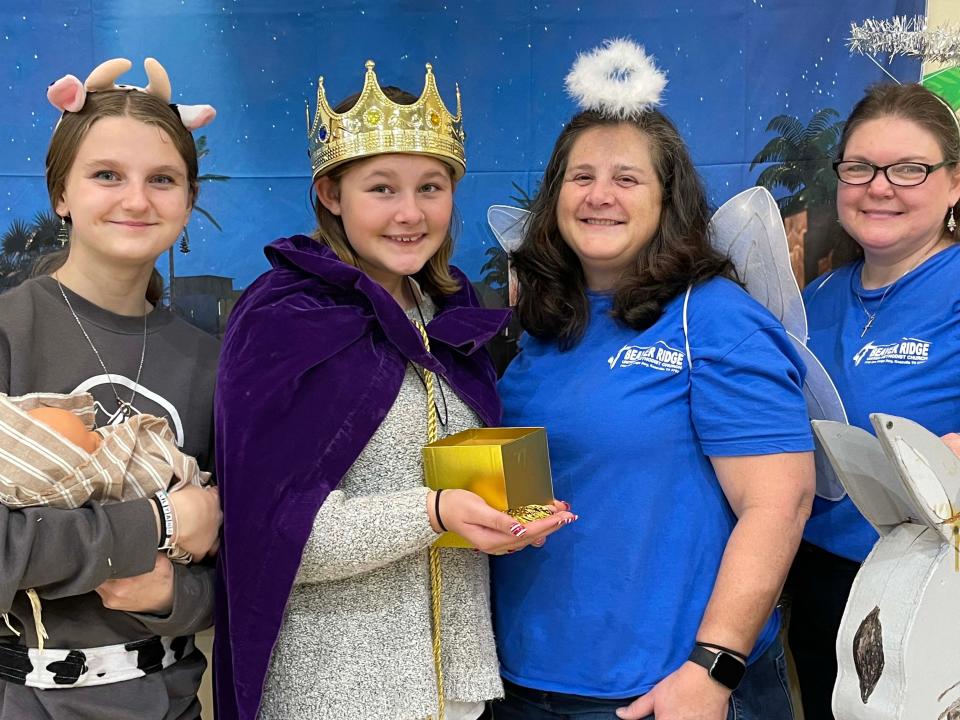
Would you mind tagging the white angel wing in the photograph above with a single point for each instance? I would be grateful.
(748, 229)
(509, 224)
(823, 403)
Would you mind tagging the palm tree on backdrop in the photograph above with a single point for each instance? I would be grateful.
(202, 152)
(23, 243)
(801, 158)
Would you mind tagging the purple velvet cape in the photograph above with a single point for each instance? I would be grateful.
(312, 361)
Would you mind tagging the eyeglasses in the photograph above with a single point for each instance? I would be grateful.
(902, 174)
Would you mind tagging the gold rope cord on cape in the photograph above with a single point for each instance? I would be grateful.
(526, 513)
(436, 581)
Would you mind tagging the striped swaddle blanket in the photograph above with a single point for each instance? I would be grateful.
(38, 466)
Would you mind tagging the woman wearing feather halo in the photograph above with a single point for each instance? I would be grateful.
(680, 434)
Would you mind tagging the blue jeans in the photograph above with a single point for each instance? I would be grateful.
(763, 695)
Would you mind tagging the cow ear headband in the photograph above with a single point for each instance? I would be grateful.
(68, 94)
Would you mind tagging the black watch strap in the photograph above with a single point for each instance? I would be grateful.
(723, 667)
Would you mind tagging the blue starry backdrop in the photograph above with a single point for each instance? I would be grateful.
(732, 65)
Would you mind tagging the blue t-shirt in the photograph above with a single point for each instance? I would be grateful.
(612, 603)
(906, 364)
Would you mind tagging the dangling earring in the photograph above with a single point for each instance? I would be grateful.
(951, 222)
(63, 234)
(185, 241)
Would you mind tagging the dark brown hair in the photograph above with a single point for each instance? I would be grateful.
(909, 102)
(73, 128)
(553, 304)
(434, 278)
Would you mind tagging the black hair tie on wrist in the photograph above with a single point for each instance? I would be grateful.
(436, 510)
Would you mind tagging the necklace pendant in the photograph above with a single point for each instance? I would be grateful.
(868, 325)
(126, 410)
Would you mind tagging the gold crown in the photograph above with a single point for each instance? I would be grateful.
(376, 125)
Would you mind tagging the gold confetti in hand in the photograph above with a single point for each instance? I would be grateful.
(529, 513)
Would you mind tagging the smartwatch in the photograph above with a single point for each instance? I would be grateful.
(723, 667)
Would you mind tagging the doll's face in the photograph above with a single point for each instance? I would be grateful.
(68, 425)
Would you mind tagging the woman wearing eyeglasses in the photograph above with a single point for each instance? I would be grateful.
(887, 329)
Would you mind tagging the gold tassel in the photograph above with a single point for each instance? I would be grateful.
(436, 580)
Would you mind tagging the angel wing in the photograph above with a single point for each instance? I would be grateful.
(823, 403)
(509, 224)
(748, 229)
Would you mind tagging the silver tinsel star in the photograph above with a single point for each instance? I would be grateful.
(905, 36)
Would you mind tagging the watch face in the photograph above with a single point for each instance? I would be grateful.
(727, 670)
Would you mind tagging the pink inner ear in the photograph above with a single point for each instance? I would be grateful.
(195, 117)
(67, 94)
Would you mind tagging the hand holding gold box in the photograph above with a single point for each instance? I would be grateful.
(508, 467)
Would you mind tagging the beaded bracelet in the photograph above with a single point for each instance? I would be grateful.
(168, 524)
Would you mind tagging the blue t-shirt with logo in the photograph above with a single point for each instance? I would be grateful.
(905, 364)
(612, 603)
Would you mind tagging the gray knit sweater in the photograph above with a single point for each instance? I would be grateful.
(356, 637)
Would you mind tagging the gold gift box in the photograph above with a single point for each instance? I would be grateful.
(507, 467)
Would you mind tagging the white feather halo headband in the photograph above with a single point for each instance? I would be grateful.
(617, 79)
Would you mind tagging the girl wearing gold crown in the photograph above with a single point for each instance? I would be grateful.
(336, 365)
(675, 413)
(108, 631)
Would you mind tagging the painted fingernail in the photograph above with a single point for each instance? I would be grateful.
(518, 530)
(566, 505)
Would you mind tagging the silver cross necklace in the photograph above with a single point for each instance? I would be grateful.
(871, 316)
(125, 407)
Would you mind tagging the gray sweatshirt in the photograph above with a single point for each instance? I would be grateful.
(65, 554)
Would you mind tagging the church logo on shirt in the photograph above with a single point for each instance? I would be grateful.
(658, 356)
(907, 351)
